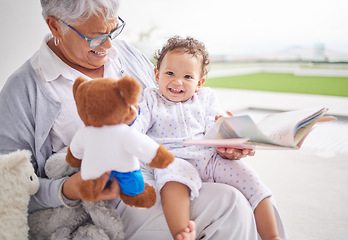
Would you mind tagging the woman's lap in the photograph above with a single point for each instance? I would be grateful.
(219, 211)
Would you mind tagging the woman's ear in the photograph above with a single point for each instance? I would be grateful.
(200, 83)
(156, 75)
(54, 26)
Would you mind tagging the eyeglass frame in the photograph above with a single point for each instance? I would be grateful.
(89, 40)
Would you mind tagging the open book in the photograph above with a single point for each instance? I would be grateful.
(276, 131)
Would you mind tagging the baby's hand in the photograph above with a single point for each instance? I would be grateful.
(219, 116)
(235, 153)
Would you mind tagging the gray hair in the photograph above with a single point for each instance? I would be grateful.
(75, 11)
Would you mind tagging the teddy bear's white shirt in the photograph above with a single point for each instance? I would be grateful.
(109, 148)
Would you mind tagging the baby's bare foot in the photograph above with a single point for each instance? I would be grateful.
(189, 233)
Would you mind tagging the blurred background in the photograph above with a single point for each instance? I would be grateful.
(300, 31)
(312, 30)
(282, 41)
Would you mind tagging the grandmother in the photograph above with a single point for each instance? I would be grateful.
(38, 113)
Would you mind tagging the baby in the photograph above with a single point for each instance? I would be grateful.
(179, 110)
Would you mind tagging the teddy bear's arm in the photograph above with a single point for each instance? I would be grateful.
(146, 149)
(71, 160)
(162, 159)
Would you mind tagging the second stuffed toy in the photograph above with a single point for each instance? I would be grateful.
(90, 220)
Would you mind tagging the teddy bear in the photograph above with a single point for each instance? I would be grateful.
(90, 220)
(108, 108)
(17, 182)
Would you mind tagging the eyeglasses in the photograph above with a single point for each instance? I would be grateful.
(99, 40)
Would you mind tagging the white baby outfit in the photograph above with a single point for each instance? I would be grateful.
(171, 123)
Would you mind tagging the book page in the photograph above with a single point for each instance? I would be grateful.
(275, 131)
(245, 127)
(237, 127)
(284, 127)
(305, 127)
(240, 143)
(234, 142)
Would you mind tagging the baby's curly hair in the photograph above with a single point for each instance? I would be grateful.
(187, 45)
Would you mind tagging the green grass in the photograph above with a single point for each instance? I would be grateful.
(279, 82)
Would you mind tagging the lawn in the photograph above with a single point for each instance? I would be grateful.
(279, 82)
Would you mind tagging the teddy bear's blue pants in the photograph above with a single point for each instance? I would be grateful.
(131, 183)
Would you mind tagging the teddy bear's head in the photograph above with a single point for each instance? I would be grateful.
(106, 101)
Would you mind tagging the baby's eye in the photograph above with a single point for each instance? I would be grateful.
(188, 77)
(170, 73)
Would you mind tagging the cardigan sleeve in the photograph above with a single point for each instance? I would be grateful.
(26, 116)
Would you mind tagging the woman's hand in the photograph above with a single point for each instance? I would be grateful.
(235, 153)
(112, 191)
(71, 187)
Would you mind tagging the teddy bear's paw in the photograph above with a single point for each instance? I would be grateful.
(162, 159)
(71, 160)
(91, 189)
(90, 232)
(146, 199)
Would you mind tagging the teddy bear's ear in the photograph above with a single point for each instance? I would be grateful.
(77, 83)
(130, 88)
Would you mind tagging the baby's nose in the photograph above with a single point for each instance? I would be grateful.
(178, 81)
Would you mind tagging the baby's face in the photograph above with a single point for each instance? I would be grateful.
(179, 76)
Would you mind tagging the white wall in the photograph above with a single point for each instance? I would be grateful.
(22, 30)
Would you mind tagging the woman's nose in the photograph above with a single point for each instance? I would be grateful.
(107, 44)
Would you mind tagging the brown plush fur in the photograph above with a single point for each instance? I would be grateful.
(162, 153)
(106, 101)
(146, 199)
(99, 102)
(91, 189)
(71, 160)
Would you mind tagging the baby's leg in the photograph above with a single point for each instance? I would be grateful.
(238, 174)
(265, 220)
(241, 176)
(177, 183)
(189, 233)
(175, 199)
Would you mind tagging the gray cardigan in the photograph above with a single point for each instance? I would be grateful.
(28, 112)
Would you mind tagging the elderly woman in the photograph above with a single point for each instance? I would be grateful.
(38, 112)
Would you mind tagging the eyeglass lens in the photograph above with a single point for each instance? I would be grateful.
(101, 39)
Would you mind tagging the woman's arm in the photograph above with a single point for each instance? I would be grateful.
(26, 117)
